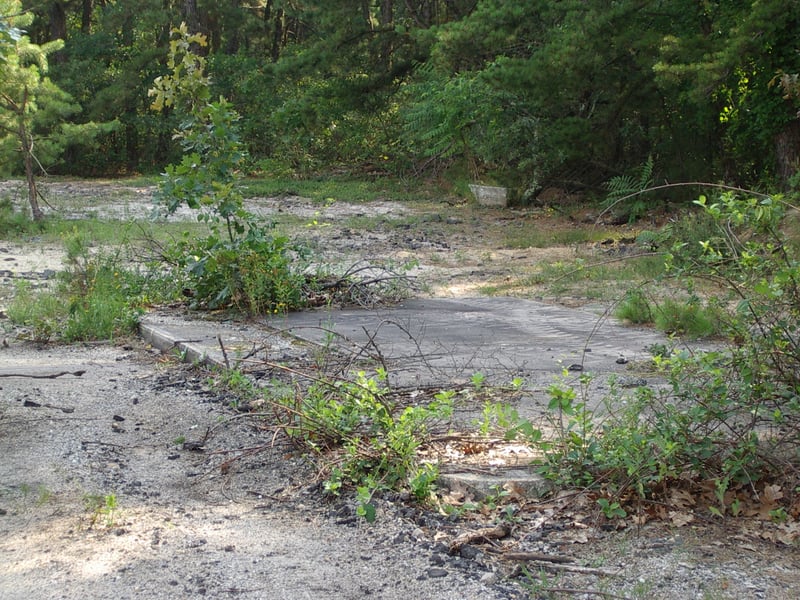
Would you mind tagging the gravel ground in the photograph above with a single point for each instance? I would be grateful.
(182, 524)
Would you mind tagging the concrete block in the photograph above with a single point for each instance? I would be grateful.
(489, 195)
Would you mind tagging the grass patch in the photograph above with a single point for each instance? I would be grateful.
(528, 236)
(690, 318)
(635, 308)
(340, 188)
(95, 298)
(16, 223)
(585, 277)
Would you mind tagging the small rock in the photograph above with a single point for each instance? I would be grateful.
(469, 552)
(441, 548)
(632, 382)
(436, 573)
(489, 578)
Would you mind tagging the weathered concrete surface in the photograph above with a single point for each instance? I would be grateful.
(495, 336)
(435, 340)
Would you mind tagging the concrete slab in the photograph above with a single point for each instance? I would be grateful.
(481, 485)
(198, 339)
(443, 338)
(435, 341)
(423, 340)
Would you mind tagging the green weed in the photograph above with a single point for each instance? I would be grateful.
(634, 308)
(329, 188)
(95, 297)
(532, 237)
(16, 223)
(102, 508)
(690, 319)
(378, 440)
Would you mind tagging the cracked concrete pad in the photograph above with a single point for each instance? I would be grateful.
(491, 335)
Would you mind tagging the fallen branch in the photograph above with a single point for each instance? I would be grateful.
(480, 535)
(51, 376)
(224, 352)
(525, 556)
(551, 566)
(578, 592)
(32, 404)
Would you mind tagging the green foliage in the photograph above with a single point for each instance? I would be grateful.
(498, 417)
(634, 308)
(240, 263)
(378, 439)
(611, 510)
(253, 273)
(14, 222)
(34, 111)
(532, 93)
(729, 417)
(40, 312)
(97, 297)
(689, 318)
(625, 191)
(460, 115)
(102, 509)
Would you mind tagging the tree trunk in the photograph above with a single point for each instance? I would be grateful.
(87, 8)
(387, 12)
(787, 152)
(58, 29)
(387, 46)
(234, 41)
(277, 36)
(33, 194)
(132, 156)
(26, 146)
(365, 14)
(191, 15)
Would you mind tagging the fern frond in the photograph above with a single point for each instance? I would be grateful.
(625, 185)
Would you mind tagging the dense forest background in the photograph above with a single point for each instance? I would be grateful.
(532, 94)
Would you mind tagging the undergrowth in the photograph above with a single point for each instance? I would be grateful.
(726, 425)
(720, 436)
(360, 436)
(97, 296)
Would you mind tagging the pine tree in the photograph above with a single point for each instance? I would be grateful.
(33, 110)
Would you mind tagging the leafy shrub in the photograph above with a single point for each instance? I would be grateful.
(688, 318)
(16, 222)
(378, 439)
(96, 297)
(240, 263)
(635, 308)
(40, 311)
(625, 191)
(728, 420)
(253, 273)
